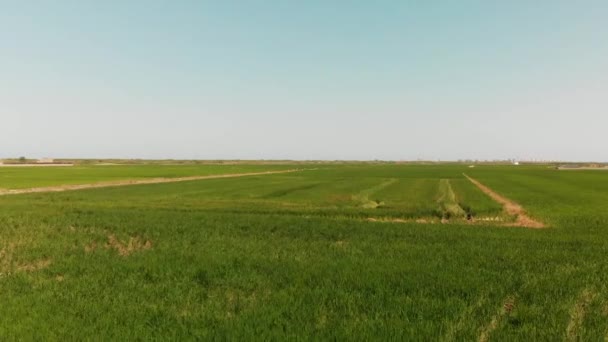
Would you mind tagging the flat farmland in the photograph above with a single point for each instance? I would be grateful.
(369, 251)
(40, 176)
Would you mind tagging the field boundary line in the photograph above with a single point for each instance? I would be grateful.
(36, 165)
(509, 206)
(159, 180)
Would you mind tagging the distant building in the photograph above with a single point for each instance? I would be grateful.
(45, 161)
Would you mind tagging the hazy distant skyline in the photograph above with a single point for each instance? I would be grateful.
(391, 80)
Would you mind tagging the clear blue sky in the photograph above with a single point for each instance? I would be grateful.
(315, 79)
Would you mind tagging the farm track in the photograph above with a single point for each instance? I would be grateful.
(509, 206)
(447, 200)
(436, 220)
(60, 188)
(363, 196)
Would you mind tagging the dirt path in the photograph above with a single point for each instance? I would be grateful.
(35, 165)
(509, 206)
(59, 188)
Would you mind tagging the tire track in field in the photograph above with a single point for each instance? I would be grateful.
(363, 196)
(461, 322)
(447, 200)
(60, 188)
(578, 313)
(498, 320)
(509, 206)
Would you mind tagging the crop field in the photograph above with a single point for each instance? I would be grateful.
(28, 177)
(330, 252)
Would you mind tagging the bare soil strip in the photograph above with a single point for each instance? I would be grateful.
(35, 165)
(60, 188)
(484, 221)
(400, 220)
(512, 208)
(605, 168)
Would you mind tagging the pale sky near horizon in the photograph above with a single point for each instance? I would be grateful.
(316, 79)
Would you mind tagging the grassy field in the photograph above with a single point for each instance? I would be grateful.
(29, 177)
(288, 256)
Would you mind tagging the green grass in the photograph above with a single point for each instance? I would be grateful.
(288, 256)
(447, 201)
(473, 200)
(29, 177)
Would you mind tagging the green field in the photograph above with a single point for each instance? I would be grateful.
(296, 256)
(28, 177)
